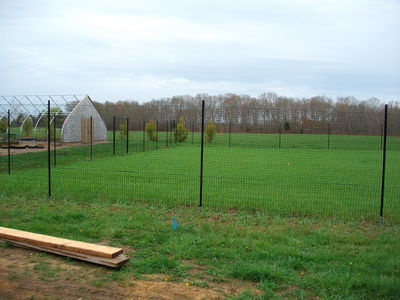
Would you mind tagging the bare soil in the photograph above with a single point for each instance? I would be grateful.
(25, 274)
(4, 152)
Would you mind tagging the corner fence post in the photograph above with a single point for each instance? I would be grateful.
(91, 137)
(48, 147)
(114, 121)
(127, 135)
(54, 141)
(201, 154)
(8, 140)
(383, 166)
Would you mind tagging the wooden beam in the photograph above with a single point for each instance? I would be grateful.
(59, 243)
(115, 262)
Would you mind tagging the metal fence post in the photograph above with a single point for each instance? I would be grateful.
(157, 134)
(280, 132)
(176, 132)
(192, 132)
(201, 154)
(91, 137)
(167, 131)
(54, 140)
(383, 166)
(229, 134)
(144, 135)
(329, 135)
(127, 135)
(171, 134)
(8, 140)
(48, 147)
(114, 121)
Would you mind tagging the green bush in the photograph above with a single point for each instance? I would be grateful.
(181, 131)
(28, 126)
(123, 130)
(151, 129)
(211, 130)
(3, 125)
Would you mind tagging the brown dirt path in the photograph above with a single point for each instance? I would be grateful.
(25, 274)
(4, 152)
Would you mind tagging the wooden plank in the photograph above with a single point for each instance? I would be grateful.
(58, 243)
(115, 262)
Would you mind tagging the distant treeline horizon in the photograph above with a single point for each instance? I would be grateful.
(267, 113)
(264, 100)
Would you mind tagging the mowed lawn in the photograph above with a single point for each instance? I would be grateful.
(294, 180)
(251, 233)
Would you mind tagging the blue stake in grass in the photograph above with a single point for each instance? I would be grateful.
(175, 224)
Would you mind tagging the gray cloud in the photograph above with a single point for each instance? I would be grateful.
(146, 49)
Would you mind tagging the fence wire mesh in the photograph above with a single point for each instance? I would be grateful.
(290, 162)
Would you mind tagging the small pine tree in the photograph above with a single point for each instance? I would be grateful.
(28, 126)
(151, 129)
(3, 125)
(181, 131)
(123, 130)
(211, 130)
(287, 126)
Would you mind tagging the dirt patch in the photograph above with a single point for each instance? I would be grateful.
(223, 285)
(25, 274)
(172, 291)
(4, 152)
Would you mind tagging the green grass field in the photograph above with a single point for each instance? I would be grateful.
(272, 220)
(271, 257)
(302, 177)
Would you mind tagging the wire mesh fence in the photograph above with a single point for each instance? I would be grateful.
(289, 162)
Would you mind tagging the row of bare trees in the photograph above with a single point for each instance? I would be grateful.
(267, 113)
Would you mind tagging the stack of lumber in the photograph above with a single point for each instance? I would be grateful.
(98, 254)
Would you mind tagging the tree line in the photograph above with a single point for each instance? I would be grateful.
(267, 113)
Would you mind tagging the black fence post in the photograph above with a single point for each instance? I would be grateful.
(127, 135)
(8, 140)
(54, 140)
(329, 135)
(383, 166)
(114, 121)
(201, 154)
(192, 132)
(171, 134)
(157, 134)
(229, 134)
(91, 137)
(176, 132)
(280, 133)
(48, 147)
(144, 135)
(167, 131)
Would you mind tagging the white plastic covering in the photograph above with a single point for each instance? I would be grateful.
(71, 129)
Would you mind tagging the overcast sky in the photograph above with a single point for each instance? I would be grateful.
(131, 49)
